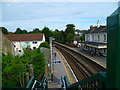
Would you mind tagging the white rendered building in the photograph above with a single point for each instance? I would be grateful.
(96, 40)
(22, 41)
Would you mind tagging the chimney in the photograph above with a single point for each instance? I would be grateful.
(98, 23)
(91, 27)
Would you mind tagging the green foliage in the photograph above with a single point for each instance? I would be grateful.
(44, 44)
(47, 33)
(13, 66)
(38, 61)
(19, 31)
(82, 38)
(70, 28)
(69, 37)
(59, 36)
(36, 30)
(4, 30)
(65, 36)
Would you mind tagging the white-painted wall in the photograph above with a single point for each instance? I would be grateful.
(23, 44)
(88, 37)
(94, 37)
(19, 45)
(78, 33)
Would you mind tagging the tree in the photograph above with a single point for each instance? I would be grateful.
(18, 31)
(70, 28)
(59, 35)
(47, 32)
(13, 66)
(82, 37)
(24, 32)
(69, 32)
(36, 30)
(44, 44)
(69, 37)
(4, 30)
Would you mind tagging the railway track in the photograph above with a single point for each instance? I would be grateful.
(82, 66)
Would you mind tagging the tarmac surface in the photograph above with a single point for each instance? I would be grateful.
(60, 68)
(98, 59)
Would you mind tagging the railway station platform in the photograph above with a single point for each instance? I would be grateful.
(60, 68)
(98, 59)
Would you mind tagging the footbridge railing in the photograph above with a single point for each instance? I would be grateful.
(35, 83)
(95, 82)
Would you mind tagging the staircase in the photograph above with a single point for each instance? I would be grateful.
(55, 83)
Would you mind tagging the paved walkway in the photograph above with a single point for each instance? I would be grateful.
(98, 59)
(61, 68)
(71, 76)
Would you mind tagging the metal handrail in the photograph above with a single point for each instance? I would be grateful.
(33, 82)
(95, 81)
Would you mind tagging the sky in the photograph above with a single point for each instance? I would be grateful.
(55, 15)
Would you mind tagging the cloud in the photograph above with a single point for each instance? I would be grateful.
(54, 15)
(60, 0)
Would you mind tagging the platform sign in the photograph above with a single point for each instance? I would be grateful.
(56, 62)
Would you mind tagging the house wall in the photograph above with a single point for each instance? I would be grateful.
(24, 44)
(78, 33)
(88, 37)
(101, 35)
(6, 46)
(94, 37)
(17, 45)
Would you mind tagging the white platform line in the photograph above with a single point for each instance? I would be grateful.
(68, 65)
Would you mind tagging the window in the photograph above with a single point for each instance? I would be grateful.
(93, 37)
(105, 38)
(34, 47)
(35, 42)
(98, 37)
(26, 42)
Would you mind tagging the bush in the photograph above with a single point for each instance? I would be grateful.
(13, 66)
(44, 44)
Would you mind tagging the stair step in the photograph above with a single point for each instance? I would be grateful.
(53, 85)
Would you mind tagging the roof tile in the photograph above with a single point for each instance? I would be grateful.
(25, 37)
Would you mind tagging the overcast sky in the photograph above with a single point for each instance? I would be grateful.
(55, 15)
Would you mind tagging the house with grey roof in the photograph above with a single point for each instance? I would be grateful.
(96, 40)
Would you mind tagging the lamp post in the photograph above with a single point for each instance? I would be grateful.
(51, 38)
